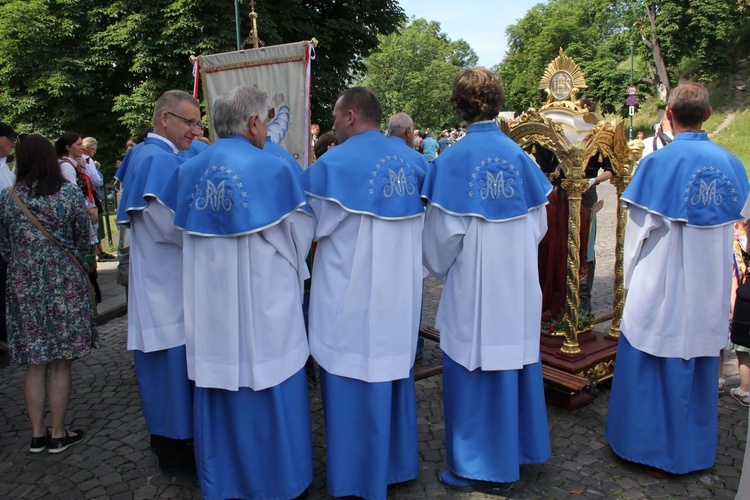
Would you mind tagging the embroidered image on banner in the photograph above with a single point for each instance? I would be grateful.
(282, 73)
(709, 186)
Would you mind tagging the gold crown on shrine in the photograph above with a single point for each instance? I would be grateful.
(562, 79)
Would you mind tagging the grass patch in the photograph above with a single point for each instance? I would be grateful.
(734, 138)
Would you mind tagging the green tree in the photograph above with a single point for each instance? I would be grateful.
(98, 67)
(413, 71)
(593, 32)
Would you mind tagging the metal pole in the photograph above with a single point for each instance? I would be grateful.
(632, 47)
(237, 23)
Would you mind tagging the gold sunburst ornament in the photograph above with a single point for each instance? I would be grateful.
(562, 79)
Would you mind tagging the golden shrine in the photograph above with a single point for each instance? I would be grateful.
(575, 358)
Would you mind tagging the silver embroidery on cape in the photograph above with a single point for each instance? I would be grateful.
(398, 184)
(217, 194)
(502, 179)
(398, 180)
(708, 186)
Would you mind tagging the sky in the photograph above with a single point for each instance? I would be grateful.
(482, 23)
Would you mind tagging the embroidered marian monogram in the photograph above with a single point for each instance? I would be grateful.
(707, 194)
(397, 184)
(496, 187)
(215, 198)
(498, 184)
(709, 186)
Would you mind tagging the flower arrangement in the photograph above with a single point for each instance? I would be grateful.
(585, 322)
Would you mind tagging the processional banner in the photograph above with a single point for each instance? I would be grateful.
(283, 73)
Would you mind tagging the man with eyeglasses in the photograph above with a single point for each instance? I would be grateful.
(8, 138)
(156, 326)
(246, 341)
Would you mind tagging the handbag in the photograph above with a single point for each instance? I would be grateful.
(51, 238)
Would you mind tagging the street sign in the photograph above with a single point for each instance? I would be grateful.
(632, 90)
(631, 110)
(632, 100)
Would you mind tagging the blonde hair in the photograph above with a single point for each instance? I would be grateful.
(88, 142)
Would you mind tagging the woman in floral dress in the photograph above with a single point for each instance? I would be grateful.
(49, 309)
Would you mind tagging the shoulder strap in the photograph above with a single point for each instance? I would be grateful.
(54, 241)
(665, 139)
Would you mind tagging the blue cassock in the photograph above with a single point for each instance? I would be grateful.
(145, 170)
(499, 171)
(387, 189)
(211, 196)
(713, 183)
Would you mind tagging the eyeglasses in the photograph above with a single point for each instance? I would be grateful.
(189, 123)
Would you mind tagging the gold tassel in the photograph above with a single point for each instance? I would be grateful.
(533, 149)
(600, 157)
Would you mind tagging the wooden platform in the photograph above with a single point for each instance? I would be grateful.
(569, 379)
(595, 364)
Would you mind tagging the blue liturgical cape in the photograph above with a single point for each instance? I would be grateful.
(712, 180)
(196, 147)
(231, 189)
(411, 153)
(272, 148)
(146, 169)
(502, 184)
(367, 175)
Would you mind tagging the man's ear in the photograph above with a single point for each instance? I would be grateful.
(708, 114)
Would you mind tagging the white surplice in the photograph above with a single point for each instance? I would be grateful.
(492, 275)
(155, 318)
(260, 340)
(366, 293)
(674, 273)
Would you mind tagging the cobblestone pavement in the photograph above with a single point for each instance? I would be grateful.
(116, 462)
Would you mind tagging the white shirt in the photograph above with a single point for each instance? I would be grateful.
(366, 294)
(491, 307)
(243, 305)
(95, 176)
(7, 178)
(68, 170)
(155, 307)
(679, 280)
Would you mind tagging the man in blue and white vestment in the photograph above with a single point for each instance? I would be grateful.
(246, 236)
(156, 327)
(485, 218)
(682, 203)
(365, 300)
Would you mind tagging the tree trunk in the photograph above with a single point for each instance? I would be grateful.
(659, 75)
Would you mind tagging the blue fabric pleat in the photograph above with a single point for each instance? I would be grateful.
(166, 392)
(371, 434)
(663, 411)
(254, 444)
(495, 421)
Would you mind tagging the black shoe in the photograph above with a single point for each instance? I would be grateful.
(58, 445)
(39, 444)
(177, 464)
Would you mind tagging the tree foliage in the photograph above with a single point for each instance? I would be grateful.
(98, 67)
(672, 39)
(413, 71)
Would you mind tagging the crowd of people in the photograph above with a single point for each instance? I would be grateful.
(219, 242)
